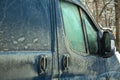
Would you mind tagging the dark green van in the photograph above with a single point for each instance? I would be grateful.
(54, 40)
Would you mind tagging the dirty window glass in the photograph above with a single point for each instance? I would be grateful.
(24, 25)
(73, 27)
(91, 34)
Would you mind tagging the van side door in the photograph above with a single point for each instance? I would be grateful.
(79, 41)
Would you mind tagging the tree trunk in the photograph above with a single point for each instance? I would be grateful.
(105, 14)
(117, 23)
(97, 13)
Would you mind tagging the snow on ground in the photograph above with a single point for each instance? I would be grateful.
(117, 55)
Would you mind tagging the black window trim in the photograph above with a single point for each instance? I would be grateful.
(84, 31)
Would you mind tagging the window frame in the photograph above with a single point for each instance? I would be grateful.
(96, 26)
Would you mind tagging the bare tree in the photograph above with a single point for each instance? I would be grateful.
(104, 12)
(105, 5)
(97, 11)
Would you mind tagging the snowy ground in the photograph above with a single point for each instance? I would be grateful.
(117, 55)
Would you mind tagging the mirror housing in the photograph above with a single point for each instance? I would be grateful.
(108, 44)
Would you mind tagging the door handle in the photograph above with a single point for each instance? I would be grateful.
(42, 64)
(65, 62)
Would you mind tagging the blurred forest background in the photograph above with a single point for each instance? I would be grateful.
(107, 14)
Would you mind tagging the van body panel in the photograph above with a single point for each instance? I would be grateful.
(34, 46)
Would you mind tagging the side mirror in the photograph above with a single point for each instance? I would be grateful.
(108, 44)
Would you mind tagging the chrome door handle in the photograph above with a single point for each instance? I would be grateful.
(42, 64)
(65, 62)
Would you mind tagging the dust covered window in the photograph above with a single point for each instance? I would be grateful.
(91, 34)
(73, 27)
(24, 25)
